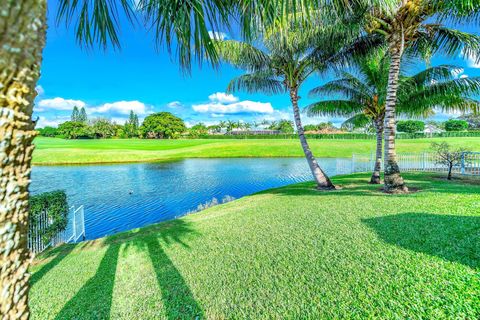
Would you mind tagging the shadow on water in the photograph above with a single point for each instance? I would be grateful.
(450, 237)
(59, 254)
(94, 299)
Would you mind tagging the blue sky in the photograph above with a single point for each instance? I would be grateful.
(138, 77)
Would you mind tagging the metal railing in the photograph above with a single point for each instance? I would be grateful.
(469, 164)
(74, 232)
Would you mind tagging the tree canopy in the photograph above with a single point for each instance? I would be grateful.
(162, 125)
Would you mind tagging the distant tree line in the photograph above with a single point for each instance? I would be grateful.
(158, 125)
(165, 125)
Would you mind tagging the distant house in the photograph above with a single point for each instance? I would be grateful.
(431, 129)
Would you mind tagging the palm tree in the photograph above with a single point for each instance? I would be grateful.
(417, 27)
(222, 124)
(419, 95)
(289, 57)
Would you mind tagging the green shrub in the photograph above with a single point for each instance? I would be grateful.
(48, 132)
(456, 125)
(198, 130)
(75, 130)
(56, 206)
(410, 126)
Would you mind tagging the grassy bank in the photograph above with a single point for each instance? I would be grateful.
(291, 252)
(58, 151)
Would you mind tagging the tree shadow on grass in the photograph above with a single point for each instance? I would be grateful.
(177, 299)
(94, 299)
(450, 237)
(59, 255)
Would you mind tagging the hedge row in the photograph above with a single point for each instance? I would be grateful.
(363, 136)
(56, 206)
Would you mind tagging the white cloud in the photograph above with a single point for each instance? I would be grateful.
(174, 104)
(45, 122)
(217, 35)
(121, 107)
(222, 97)
(222, 103)
(276, 115)
(59, 104)
(472, 60)
(40, 90)
(234, 108)
(464, 76)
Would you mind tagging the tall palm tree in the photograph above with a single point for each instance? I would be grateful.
(281, 65)
(418, 27)
(365, 95)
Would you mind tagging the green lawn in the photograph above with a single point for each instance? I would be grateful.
(58, 151)
(290, 253)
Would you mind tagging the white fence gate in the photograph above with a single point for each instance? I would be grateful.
(74, 231)
(469, 165)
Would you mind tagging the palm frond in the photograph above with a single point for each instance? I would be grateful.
(456, 87)
(426, 107)
(357, 121)
(433, 74)
(458, 10)
(256, 82)
(242, 55)
(96, 21)
(356, 50)
(453, 95)
(436, 39)
(343, 87)
(333, 108)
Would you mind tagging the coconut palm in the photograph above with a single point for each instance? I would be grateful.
(418, 27)
(282, 64)
(364, 96)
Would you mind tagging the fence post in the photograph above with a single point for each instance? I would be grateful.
(424, 162)
(462, 165)
(83, 223)
(353, 163)
(74, 225)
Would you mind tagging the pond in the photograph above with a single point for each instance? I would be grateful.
(121, 197)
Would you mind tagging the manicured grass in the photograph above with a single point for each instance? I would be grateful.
(290, 253)
(58, 151)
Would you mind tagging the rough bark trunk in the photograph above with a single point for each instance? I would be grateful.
(322, 180)
(21, 42)
(378, 123)
(450, 168)
(393, 180)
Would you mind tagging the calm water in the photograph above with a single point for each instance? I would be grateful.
(162, 191)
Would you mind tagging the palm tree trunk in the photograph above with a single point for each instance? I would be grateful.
(322, 180)
(21, 42)
(393, 180)
(378, 123)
